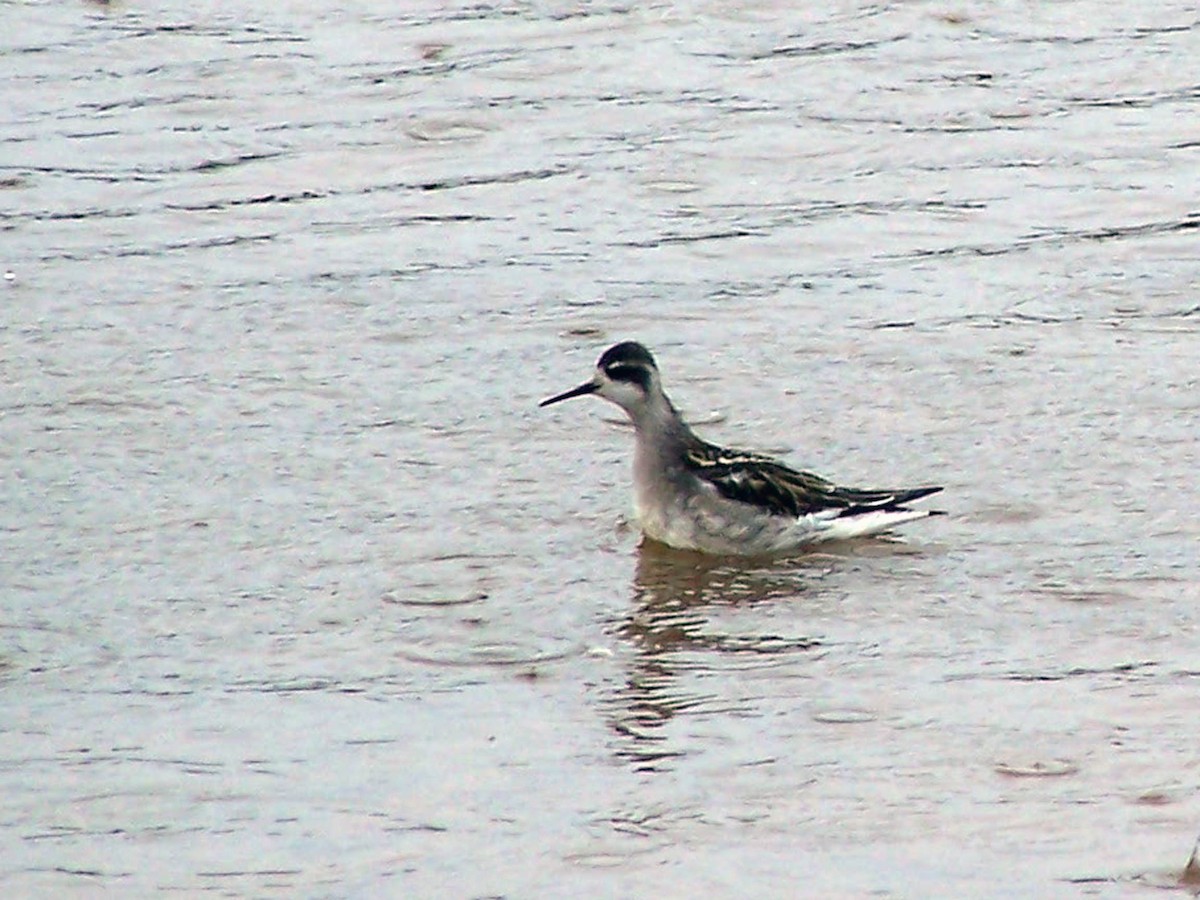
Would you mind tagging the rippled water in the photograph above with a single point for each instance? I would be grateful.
(303, 596)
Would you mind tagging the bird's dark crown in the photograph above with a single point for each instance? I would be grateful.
(627, 353)
(629, 362)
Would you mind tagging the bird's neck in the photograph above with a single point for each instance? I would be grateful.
(661, 431)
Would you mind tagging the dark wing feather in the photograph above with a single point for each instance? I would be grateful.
(764, 481)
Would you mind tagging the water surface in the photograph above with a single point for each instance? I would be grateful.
(303, 596)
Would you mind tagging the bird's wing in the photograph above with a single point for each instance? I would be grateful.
(766, 482)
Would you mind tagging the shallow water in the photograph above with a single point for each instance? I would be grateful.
(303, 596)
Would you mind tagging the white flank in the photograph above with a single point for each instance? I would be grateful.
(868, 523)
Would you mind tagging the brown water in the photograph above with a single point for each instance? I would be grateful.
(302, 596)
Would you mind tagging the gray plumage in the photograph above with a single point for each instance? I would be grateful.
(694, 495)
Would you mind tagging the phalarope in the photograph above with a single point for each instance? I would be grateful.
(694, 495)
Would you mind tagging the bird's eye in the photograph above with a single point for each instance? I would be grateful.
(638, 375)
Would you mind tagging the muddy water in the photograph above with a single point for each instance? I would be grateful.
(302, 595)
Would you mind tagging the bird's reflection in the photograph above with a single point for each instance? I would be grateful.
(673, 589)
(672, 631)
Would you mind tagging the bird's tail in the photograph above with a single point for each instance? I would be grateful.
(869, 522)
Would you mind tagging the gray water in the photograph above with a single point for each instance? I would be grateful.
(302, 596)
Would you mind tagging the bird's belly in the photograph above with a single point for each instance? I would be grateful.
(665, 524)
(709, 524)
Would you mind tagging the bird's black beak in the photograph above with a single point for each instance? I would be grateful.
(588, 387)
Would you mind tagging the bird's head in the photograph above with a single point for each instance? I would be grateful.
(626, 375)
